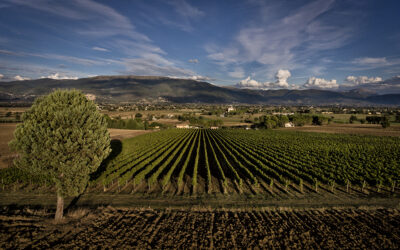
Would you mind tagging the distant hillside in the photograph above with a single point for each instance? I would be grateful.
(117, 89)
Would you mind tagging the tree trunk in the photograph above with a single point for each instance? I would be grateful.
(60, 207)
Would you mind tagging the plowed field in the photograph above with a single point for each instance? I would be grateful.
(147, 228)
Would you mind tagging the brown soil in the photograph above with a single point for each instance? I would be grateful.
(362, 129)
(121, 134)
(202, 228)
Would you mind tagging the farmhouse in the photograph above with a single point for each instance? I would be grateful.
(182, 126)
(289, 125)
(214, 127)
(230, 108)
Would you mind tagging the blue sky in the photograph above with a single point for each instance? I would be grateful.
(254, 43)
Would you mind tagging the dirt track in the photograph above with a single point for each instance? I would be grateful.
(148, 228)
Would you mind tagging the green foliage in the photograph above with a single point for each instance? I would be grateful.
(301, 120)
(200, 121)
(13, 174)
(64, 137)
(125, 123)
(385, 122)
(157, 124)
(320, 120)
(352, 119)
(271, 121)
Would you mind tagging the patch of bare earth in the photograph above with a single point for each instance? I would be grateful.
(203, 228)
(121, 134)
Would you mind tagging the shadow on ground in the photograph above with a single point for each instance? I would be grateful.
(116, 147)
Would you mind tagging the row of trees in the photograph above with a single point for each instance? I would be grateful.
(136, 123)
(383, 120)
(275, 121)
(200, 121)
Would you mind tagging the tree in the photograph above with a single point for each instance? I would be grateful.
(385, 122)
(65, 137)
(353, 118)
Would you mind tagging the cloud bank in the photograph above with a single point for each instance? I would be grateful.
(321, 83)
(57, 76)
(358, 80)
(20, 78)
(281, 82)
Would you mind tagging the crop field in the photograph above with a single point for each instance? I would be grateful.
(202, 161)
(344, 228)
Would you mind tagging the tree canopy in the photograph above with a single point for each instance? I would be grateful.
(65, 137)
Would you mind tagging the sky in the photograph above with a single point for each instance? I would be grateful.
(248, 43)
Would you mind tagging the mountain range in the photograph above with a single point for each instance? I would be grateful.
(123, 89)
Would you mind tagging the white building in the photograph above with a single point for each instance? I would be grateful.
(182, 126)
(231, 108)
(289, 125)
(214, 127)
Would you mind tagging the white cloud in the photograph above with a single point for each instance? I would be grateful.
(1, 76)
(281, 76)
(100, 49)
(185, 9)
(321, 83)
(250, 83)
(357, 80)
(275, 40)
(200, 78)
(57, 76)
(281, 82)
(20, 78)
(370, 60)
(155, 64)
(194, 77)
(193, 60)
(367, 63)
(181, 16)
(237, 73)
(98, 19)
(7, 52)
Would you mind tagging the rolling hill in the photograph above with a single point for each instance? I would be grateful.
(118, 89)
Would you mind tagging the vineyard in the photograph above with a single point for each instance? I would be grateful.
(202, 161)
